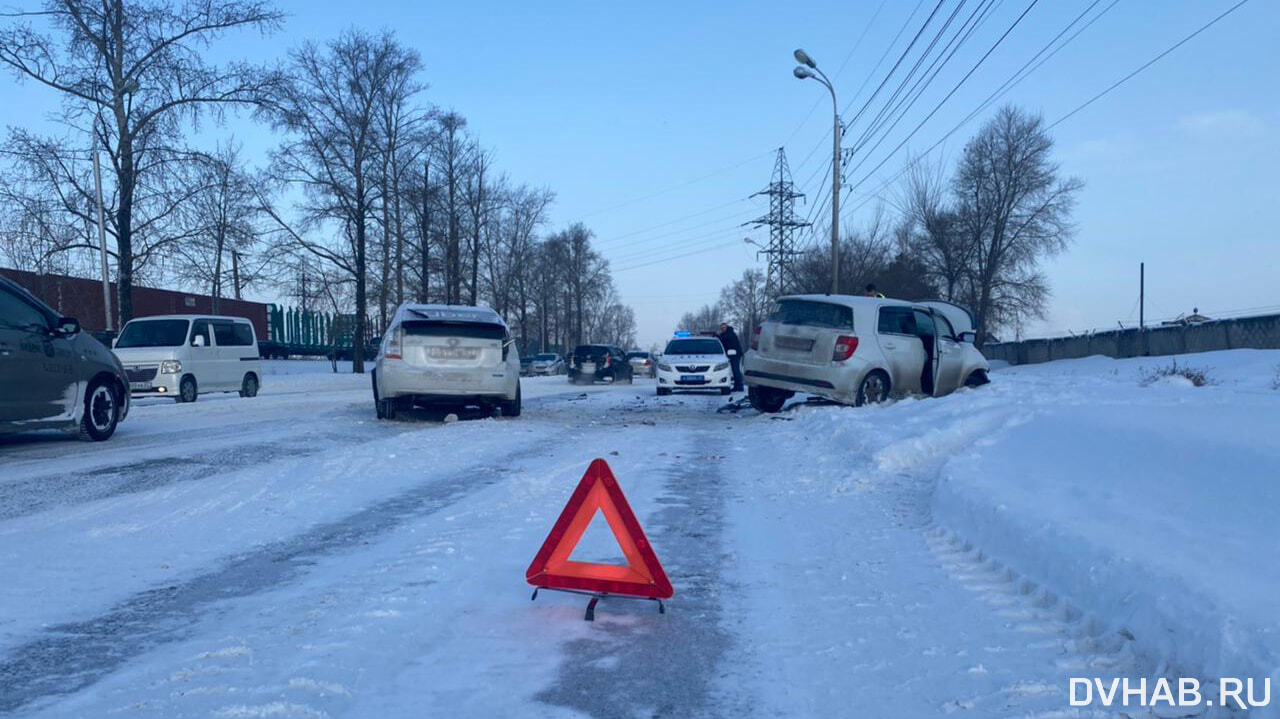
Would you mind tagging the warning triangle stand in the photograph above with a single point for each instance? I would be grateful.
(641, 577)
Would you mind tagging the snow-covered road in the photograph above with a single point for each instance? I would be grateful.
(290, 556)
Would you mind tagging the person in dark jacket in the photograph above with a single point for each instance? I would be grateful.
(733, 348)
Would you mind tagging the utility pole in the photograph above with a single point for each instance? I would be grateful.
(1142, 295)
(102, 236)
(782, 224)
(235, 272)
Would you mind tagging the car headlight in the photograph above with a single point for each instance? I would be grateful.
(664, 367)
(170, 367)
(722, 367)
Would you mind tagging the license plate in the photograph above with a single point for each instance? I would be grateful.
(139, 385)
(453, 353)
(691, 378)
(791, 342)
(589, 367)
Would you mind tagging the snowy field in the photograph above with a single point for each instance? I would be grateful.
(290, 556)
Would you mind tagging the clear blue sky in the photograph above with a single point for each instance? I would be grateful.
(638, 116)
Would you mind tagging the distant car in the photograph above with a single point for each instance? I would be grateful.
(547, 363)
(861, 350)
(599, 363)
(694, 363)
(643, 363)
(185, 356)
(446, 355)
(526, 366)
(52, 375)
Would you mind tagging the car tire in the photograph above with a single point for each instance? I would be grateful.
(512, 408)
(101, 411)
(249, 385)
(977, 378)
(631, 377)
(664, 391)
(767, 399)
(188, 390)
(726, 390)
(386, 408)
(874, 388)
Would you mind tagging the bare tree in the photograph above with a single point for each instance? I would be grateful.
(130, 74)
(1013, 211)
(745, 302)
(452, 157)
(935, 240)
(707, 317)
(223, 218)
(330, 108)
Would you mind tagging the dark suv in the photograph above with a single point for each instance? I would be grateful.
(52, 375)
(597, 363)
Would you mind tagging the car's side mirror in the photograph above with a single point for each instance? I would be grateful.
(67, 326)
(197, 341)
(969, 337)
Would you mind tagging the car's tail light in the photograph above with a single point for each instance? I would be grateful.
(755, 338)
(393, 350)
(608, 360)
(846, 345)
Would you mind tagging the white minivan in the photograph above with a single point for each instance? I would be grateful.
(184, 356)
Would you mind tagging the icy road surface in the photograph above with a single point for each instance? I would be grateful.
(289, 556)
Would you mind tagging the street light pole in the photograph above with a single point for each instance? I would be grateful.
(808, 69)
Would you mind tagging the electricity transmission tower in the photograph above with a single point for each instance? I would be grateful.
(782, 224)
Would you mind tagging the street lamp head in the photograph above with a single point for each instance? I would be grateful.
(802, 72)
(803, 58)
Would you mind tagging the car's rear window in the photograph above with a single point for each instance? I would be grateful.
(153, 333)
(637, 355)
(695, 347)
(590, 350)
(545, 358)
(471, 330)
(813, 314)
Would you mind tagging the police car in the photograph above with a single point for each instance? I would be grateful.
(694, 363)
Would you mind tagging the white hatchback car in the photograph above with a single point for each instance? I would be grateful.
(185, 356)
(694, 363)
(861, 350)
(441, 355)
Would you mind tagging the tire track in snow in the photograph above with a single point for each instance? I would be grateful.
(645, 664)
(75, 655)
(1081, 644)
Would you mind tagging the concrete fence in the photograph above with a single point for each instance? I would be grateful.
(1259, 332)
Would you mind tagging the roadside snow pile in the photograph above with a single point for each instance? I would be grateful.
(1151, 508)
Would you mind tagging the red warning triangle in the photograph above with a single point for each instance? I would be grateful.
(642, 576)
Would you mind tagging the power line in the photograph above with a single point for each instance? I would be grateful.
(1148, 64)
(677, 186)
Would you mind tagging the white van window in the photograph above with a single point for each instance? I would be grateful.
(225, 332)
(200, 328)
(153, 333)
(243, 334)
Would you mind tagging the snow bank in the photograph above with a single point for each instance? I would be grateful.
(1152, 508)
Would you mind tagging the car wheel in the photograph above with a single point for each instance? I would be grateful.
(386, 408)
(726, 390)
(631, 377)
(187, 390)
(101, 411)
(663, 391)
(249, 386)
(512, 408)
(977, 378)
(767, 399)
(874, 388)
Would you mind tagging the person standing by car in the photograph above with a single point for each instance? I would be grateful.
(871, 291)
(733, 348)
